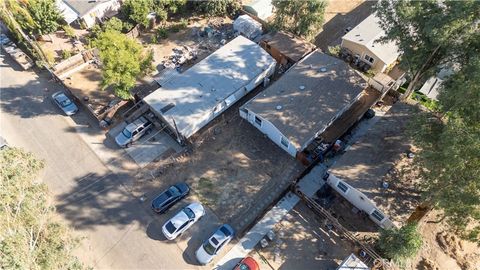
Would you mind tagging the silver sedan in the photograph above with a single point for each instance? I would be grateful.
(62, 101)
(183, 220)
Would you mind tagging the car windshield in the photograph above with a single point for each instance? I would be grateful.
(170, 227)
(65, 102)
(225, 231)
(209, 248)
(127, 133)
(190, 214)
(174, 190)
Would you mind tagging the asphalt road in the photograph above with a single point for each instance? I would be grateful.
(119, 231)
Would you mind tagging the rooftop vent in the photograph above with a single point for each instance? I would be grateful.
(167, 107)
(301, 87)
(279, 107)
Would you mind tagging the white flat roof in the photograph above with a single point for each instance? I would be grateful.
(194, 94)
(353, 263)
(367, 32)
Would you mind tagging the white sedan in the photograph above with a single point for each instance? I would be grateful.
(183, 220)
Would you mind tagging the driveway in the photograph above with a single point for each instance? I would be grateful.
(119, 230)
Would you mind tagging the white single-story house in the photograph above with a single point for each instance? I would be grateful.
(362, 41)
(363, 175)
(87, 11)
(305, 101)
(190, 100)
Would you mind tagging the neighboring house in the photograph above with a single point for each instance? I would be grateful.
(190, 100)
(352, 263)
(87, 11)
(367, 173)
(362, 41)
(286, 47)
(262, 9)
(308, 101)
(431, 86)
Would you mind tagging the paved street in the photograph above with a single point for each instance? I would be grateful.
(119, 230)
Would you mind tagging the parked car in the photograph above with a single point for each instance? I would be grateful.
(212, 245)
(183, 220)
(67, 105)
(169, 197)
(248, 263)
(133, 132)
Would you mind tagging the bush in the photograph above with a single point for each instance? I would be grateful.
(162, 33)
(50, 57)
(69, 32)
(399, 244)
(66, 54)
(334, 50)
(114, 24)
(218, 7)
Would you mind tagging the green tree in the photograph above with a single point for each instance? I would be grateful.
(136, 11)
(165, 7)
(123, 60)
(303, 18)
(218, 7)
(30, 236)
(399, 244)
(449, 156)
(430, 33)
(45, 14)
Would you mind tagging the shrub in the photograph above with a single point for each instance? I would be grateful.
(49, 56)
(334, 50)
(66, 54)
(69, 32)
(399, 244)
(162, 33)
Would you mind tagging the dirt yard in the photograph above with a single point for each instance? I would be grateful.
(443, 249)
(302, 241)
(188, 36)
(232, 168)
(339, 15)
(61, 42)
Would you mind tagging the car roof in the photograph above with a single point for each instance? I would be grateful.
(60, 96)
(138, 122)
(179, 219)
(219, 237)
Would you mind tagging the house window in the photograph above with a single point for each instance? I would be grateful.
(342, 186)
(258, 121)
(377, 215)
(369, 58)
(284, 141)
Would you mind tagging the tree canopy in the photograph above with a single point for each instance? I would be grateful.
(35, 16)
(302, 18)
(136, 11)
(449, 156)
(400, 244)
(124, 61)
(218, 8)
(30, 236)
(430, 33)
